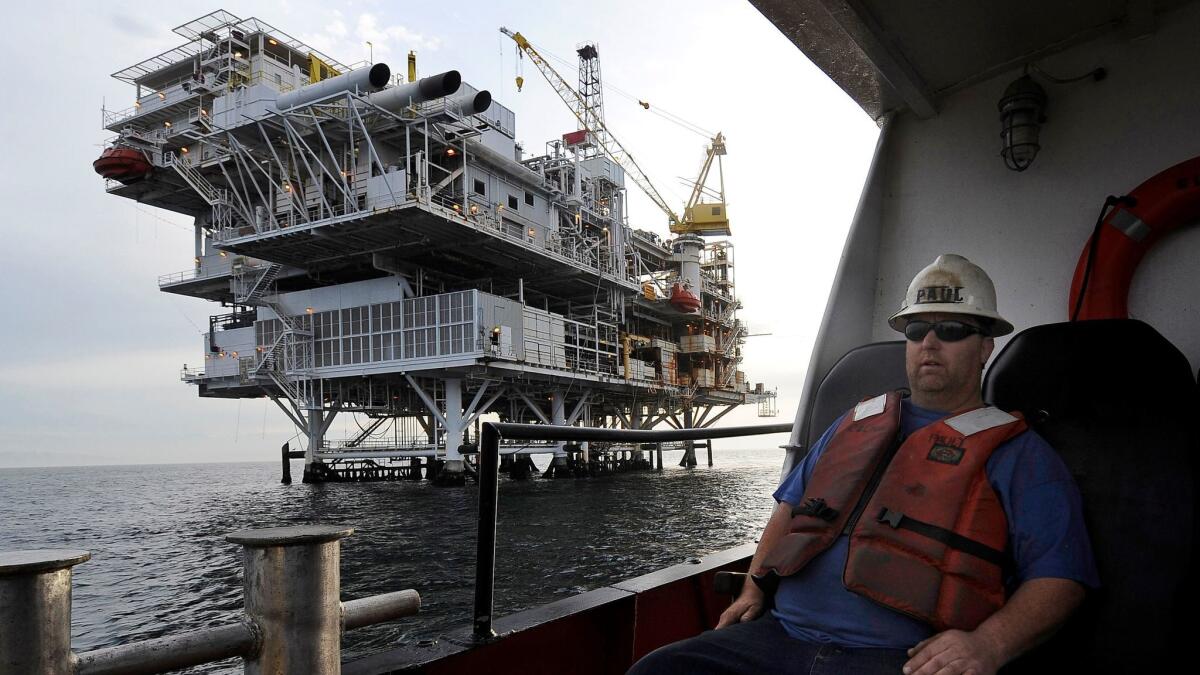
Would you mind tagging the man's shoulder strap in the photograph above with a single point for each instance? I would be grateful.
(980, 419)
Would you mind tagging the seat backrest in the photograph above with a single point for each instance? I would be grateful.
(1118, 403)
(864, 371)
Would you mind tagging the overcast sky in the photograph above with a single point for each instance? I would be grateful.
(90, 350)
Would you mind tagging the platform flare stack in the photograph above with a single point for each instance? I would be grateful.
(381, 247)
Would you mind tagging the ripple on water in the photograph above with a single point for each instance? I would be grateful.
(161, 564)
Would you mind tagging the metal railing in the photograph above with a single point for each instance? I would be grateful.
(489, 484)
(292, 625)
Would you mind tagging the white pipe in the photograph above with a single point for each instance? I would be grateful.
(425, 89)
(470, 104)
(361, 80)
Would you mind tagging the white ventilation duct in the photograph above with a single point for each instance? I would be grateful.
(362, 80)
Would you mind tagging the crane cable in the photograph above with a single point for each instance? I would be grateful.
(661, 112)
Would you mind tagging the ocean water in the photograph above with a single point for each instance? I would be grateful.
(160, 563)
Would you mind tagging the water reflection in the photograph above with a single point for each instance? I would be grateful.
(161, 565)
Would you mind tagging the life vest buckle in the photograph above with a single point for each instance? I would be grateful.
(890, 517)
(817, 508)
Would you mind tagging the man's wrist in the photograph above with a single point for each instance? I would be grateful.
(992, 641)
(750, 590)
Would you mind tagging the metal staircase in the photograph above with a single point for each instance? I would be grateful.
(207, 191)
(211, 194)
(250, 292)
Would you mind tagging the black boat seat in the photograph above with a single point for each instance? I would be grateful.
(1119, 404)
(864, 371)
(868, 370)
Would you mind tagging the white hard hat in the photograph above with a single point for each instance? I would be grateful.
(952, 285)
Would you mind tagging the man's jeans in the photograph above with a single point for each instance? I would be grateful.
(763, 647)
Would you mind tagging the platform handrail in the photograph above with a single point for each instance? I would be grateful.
(489, 484)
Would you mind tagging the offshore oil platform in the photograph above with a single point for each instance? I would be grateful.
(382, 247)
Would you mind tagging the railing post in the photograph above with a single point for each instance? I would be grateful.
(35, 610)
(292, 593)
(485, 543)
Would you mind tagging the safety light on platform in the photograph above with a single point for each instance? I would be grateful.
(167, 124)
(196, 260)
(450, 152)
(457, 207)
(137, 104)
(308, 310)
(532, 232)
(237, 55)
(259, 349)
(578, 218)
(223, 254)
(474, 209)
(272, 41)
(235, 355)
(162, 96)
(184, 150)
(287, 187)
(203, 112)
(1022, 110)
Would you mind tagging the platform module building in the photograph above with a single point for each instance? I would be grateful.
(380, 246)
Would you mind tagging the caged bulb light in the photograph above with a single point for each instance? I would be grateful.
(1022, 112)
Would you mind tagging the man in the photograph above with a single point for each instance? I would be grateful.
(926, 535)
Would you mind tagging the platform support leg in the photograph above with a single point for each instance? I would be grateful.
(452, 472)
(559, 467)
(689, 447)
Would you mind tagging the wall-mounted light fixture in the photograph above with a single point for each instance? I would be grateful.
(1022, 113)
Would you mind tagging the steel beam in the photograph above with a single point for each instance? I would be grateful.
(871, 39)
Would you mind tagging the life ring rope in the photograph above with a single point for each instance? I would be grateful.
(1106, 265)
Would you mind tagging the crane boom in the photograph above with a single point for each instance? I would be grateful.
(591, 122)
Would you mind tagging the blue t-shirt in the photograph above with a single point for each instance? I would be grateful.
(1046, 538)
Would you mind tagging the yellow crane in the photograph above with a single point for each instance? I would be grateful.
(702, 218)
(708, 218)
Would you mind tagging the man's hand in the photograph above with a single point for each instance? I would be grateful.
(743, 609)
(954, 652)
(750, 602)
(1032, 614)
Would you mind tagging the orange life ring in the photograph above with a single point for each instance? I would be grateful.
(1168, 200)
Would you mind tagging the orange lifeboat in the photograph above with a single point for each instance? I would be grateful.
(122, 164)
(683, 299)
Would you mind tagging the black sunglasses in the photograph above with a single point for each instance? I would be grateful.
(946, 331)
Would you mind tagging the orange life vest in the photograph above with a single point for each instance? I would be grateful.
(927, 531)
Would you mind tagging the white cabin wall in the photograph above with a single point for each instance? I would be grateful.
(847, 322)
(1027, 229)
